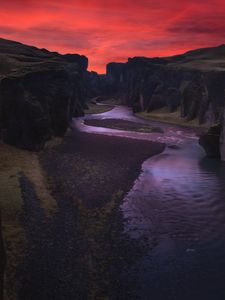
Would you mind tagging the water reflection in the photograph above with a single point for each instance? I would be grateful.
(178, 206)
(172, 134)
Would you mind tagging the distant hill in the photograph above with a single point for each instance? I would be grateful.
(207, 59)
(17, 59)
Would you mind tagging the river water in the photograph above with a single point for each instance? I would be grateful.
(177, 205)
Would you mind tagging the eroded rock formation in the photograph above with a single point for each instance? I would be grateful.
(193, 82)
(2, 261)
(40, 91)
(210, 141)
(222, 139)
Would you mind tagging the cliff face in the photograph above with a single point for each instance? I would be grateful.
(222, 139)
(2, 260)
(40, 91)
(193, 82)
(97, 85)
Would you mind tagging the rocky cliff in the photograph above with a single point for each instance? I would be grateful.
(97, 86)
(2, 261)
(193, 82)
(40, 91)
(222, 139)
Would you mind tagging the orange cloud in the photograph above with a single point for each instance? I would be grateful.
(114, 30)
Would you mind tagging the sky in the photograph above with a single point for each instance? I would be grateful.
(113, 30)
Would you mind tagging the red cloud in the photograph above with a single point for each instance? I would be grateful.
(114, 30)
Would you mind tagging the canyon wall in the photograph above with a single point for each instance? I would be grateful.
(40, 92)
(97, 86)
(193, 82)
(222, 139)
(2, 261)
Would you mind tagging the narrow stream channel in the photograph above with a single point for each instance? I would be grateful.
(177, 205)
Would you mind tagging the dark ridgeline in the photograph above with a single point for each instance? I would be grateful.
(2, 261)
(40, 92)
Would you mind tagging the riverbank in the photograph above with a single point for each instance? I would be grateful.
(94, 108)
(15, 163)
(90, 175)
(163, 115)
(60, 208)
(109, 163)
(123, 125)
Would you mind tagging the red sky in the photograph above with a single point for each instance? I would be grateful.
(113, 30)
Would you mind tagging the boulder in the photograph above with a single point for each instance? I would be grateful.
(210, 141)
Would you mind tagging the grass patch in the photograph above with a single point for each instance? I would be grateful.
(163, 115)
(53, 142)
(93, 226)
(97, 109)
(123, 125)
(95, 172)
(14, 162)
(112, 101)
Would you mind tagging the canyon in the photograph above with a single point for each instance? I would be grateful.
(191, 84)
(122, 187)
(41, 91)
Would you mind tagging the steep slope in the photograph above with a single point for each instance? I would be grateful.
(40, 91)
(194, 82)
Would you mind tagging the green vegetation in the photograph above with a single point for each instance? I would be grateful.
(94, 224)
(123, 125)
(95, 172)
(97, 109)
(112, 101)
(13, 163)
(163, 115)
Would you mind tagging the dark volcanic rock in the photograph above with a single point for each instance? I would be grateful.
(193, 82)
(40, 92)
(211, 141)
(195, 99)
(105, 86)
(2, 261)
(97, 86)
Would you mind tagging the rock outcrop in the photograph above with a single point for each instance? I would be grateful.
(193, 82)
(222, 139)
(97, 86)
(210, 141)
(40, 92)
(2, 261)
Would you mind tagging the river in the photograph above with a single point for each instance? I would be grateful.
(177, 205)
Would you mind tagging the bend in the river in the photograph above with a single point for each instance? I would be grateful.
(178, 206)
